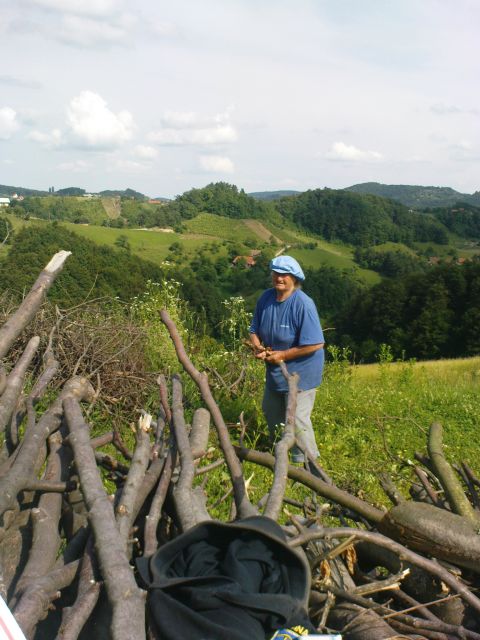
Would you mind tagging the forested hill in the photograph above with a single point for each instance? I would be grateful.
(8, 191)
(221, 199)
(92, 271)
(417, 197)
(359, 219)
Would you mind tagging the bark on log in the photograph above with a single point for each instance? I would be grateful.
(438, 532)
(183, 489)
(449, 481)
(141, 455)
(15, 381)
(198, 437)
(283, 446)
(153, 517)
(15, 324)
(428, 627)
(46, 536)
(242, 502)
(75, 617)
(22, 470)
(126, 599)
(357, 623)
(37, 598)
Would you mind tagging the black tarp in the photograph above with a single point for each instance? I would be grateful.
(223, 581)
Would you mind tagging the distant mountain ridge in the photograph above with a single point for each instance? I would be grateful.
(8, 191)
(273, 195)
(417, 196)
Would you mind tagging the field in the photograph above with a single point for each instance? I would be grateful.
(219, 227)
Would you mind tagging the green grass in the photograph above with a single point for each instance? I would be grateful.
(372, 418)
(149, 245)
(394, 246)
(214, 226)
(323, 255)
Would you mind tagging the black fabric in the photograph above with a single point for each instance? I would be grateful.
(227, 582)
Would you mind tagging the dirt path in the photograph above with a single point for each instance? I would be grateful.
(112, 207)
(260, 230)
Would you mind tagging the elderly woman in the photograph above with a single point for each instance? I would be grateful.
(286, 328)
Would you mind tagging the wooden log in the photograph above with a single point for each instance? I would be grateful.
(182, 491)
(434, 531)
(15, 324)
(283, 446)
(449, 481)
(22, 470)
(15, 382)
(126, 599)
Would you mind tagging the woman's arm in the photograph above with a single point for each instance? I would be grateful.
(259, 349)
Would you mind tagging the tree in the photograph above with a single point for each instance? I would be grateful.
(123, 243)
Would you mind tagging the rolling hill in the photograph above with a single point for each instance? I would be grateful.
(416, 196)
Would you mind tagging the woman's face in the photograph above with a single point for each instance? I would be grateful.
(283, 282)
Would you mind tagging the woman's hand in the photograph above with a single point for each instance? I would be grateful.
(274, 357)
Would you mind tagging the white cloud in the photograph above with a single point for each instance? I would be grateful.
(79, 7)
(213, 135)
(94, 125)
(88, 32)
(86, 23)
(189, 128)
(131, 166)
(8, 123)
(145, 152)
(192, 120)
(216, 164)
(345, 152)
(76, 166)
(49, 140)
(442, 109)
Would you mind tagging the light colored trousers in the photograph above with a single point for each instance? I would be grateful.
(274, 407)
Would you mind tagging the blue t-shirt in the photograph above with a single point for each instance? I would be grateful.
(294, 322)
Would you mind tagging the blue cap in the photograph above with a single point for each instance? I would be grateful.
(287, 264)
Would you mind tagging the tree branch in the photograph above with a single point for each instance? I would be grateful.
(242, 502)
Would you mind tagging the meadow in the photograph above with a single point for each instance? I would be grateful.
(373, 418)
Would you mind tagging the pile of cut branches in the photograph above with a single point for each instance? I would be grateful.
(67, 546)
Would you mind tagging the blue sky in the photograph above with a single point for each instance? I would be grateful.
(283, 94)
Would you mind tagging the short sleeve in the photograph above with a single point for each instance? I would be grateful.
(255, 319)
(310, 329)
